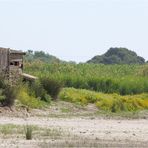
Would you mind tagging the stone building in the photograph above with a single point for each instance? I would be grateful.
(11, 64)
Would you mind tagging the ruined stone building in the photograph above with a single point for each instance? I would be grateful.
(11, 64)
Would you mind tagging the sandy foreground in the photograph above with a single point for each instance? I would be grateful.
(74, 131)
(132, 133)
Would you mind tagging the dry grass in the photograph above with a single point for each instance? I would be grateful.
(56, 138)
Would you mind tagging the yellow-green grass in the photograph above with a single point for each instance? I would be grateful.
(108, 102)
(29, 100)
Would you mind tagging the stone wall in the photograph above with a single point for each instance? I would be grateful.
(4, 54)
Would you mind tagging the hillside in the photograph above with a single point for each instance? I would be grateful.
(118, 56)
(40, 56)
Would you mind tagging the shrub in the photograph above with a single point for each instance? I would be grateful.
(124, 103)
(2, 97)
(37, 90)
(2, 83)
(107, 102)
(28, 100)
(52, 87)
(10, 93)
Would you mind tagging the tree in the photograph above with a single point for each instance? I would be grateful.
(118, 56)
(41, 56)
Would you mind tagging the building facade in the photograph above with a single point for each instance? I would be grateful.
(11, 62)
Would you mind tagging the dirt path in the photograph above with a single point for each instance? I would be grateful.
(125, 132)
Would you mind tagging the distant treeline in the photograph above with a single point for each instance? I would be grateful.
(40, 56)
(112, 56)
(129, 76)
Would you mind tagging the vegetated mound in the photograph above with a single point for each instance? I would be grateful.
(118, 56)
(40, 56)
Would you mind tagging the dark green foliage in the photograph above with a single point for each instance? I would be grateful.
(39, 92)
(2, 82)
(28, 132)
(52, 87)
(40, 56)
(2, 97)
(118, 56)
(10, 93)
(7, 93)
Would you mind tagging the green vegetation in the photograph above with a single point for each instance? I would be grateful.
(52, 87)
(118, 56)
(28, 132)
(29, 100)
(107, 102)
(40, 56)
(37, 94)
(7, 129)
(23, 92)
(113, 88)
(7, 93)
(121, 79)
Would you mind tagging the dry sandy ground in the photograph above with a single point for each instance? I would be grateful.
(80, 132)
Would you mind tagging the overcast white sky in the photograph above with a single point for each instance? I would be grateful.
(74, 30)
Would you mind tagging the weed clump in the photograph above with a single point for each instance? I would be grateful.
(37, 90)
(28, 99)
(52, 87)
(28, 132)
(8, 93)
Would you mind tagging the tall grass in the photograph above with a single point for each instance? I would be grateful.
(8, 93)
(121, 79)
(27, 99)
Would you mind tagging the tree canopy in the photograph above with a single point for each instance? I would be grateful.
(118, 56)
(41, 56)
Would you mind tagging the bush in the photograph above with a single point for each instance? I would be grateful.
(28, 100)
(2, 97)
(10, 94)
(31, 95)
(107, 102)
(37, 90)
(52, 87)
(2, 83)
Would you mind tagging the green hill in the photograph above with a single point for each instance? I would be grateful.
(40, 56)
(118, 56)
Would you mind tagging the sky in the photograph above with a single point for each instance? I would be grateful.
(74, 30)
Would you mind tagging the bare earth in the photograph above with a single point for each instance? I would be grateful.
(78, 131)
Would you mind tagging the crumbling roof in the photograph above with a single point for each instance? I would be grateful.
(12, 51)
(17, 52)
(28, 77)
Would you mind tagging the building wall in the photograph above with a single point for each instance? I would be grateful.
(4, 58)
(10, 60)
(16, 56)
